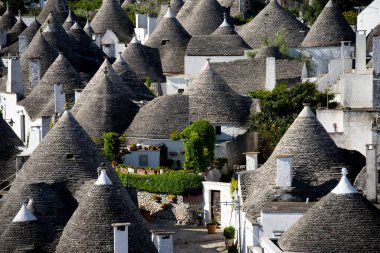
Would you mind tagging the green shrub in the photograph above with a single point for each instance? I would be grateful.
(172, 182)
(229, 232)
(111, 145)
(350, 16)
(175, 135)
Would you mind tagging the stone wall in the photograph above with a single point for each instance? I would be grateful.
(182, 211)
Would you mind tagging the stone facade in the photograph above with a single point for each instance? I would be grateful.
(183, 211)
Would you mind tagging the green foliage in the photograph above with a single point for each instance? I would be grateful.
(148, 82)
(87, 5)
(241, 20)
(233, 185)
(15, 5)
(350, 16)
(175, 135)
(279, 108)
(278, 40)
(172, 182)
(233, 249)
(132, 9)
(199, 145)
(251, 53)
(229, 232)
(111, 145)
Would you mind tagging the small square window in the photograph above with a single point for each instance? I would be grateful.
(218, 130)
(180, 91)
(143, 160)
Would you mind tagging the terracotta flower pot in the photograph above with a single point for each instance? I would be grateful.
(211, 228)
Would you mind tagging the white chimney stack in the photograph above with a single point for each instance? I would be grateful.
(120, 242)
(163, 241)
(270, 73)
(59, 99)
(371, 170)
(251, 161)
(284, 171)
(376, 55)
(23, 44)
(14, 80)
(360, 62)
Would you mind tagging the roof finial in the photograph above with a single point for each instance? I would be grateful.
(168, 13)
(344, 186)
(103, 179)
(19, 15)
(24, 214)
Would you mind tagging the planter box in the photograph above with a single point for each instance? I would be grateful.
(141, 171)
(150, 172)
(131, 170)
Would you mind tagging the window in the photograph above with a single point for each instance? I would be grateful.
(143, 160)
(69, 156)
(218, 130)
(180, 91)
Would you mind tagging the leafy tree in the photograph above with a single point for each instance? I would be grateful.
(111, 145)
(199, 140)
(279, 108)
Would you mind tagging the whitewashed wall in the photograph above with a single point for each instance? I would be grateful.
(330, 117)
(134, 158)
(229, 132)
(173, 83)
(277, 222)
(369, 17)
(228, 216)
(194, 64)
(357, 90)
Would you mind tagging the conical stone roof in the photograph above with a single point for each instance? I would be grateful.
(126, 2)
(176, 38)
(175, 6)
(205, 18)
(31, 30)
(329, 29)
(269, 51)
(60, 72)
(86, 45)
(211, 98)
(107, 101)
(112, 16)
(316, 165)
(139, 90)
(342, 221)
(374, 32)
(69, 22)
(89, 229)
(59, 8)
(145, 61)
(7, 20)
(9, 142)
(38, 48)
(271, 20)
(223, 41)
(88, 28)
(47, 206)
(186, 10)
(16, 30)
(160, 117)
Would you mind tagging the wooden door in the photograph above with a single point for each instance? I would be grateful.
(215, 206)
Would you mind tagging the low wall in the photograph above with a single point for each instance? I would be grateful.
(182, 211)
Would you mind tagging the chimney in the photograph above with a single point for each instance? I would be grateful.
(23, 44)
(3, 39)
(376, 73)
(284, 171)
(304, 73)
(78, 92)
(371, 170)
(360, 62)
(163, 241)
(14, 80)
(59, 99)
(34, 71)
(251, 161)
(34, 138)
(120, 237)
(270, 73)
(45, 125)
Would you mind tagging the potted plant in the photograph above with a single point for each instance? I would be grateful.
(211, 227)
(229, 236)
(156, 198)
(172, 198)
(150, 171)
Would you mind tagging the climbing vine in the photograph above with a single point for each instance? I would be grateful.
(199, 140)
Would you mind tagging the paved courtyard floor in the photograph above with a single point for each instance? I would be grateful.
(192, 239)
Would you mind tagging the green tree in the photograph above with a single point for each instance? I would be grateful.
(279, 108)
(199, 140)
(111, 145)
